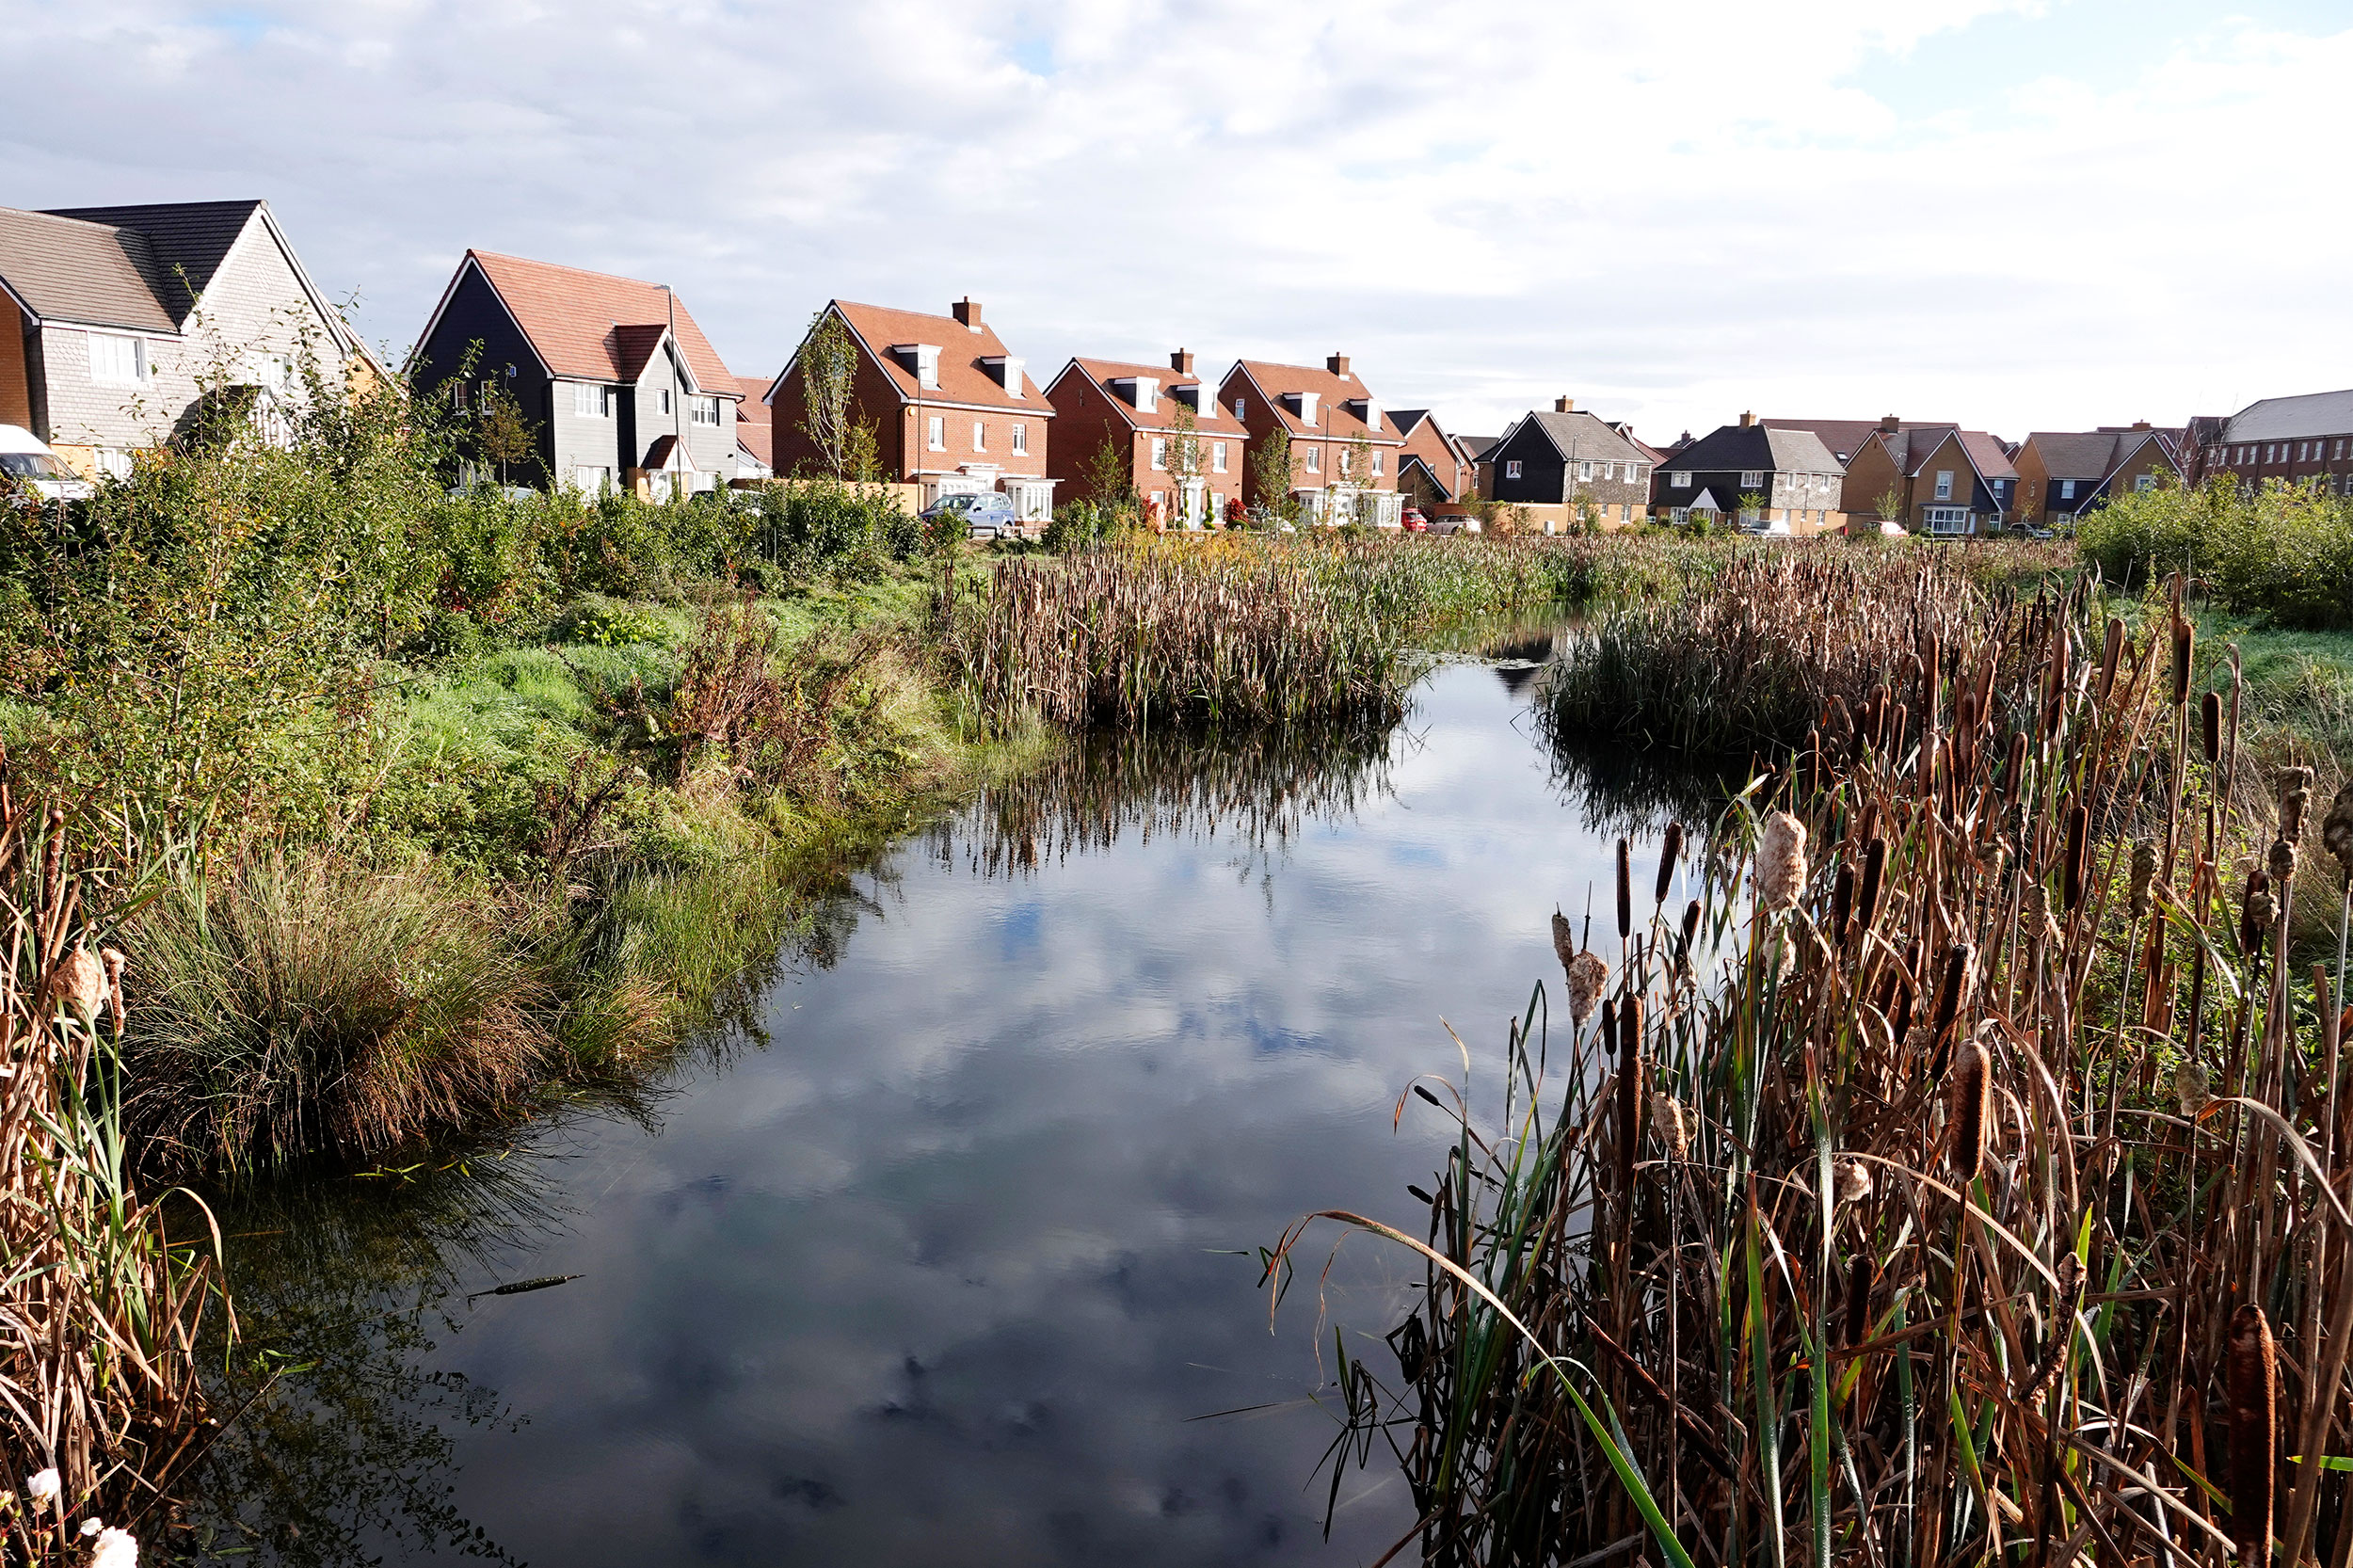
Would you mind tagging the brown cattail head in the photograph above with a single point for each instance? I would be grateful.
(2144, 876)
(1959, 968)
(77, 985)
(1669, 852)
(1859, 1299)
(2034, 905)
(1841, 901)
(1625, 889)
(2111, 651)
(2076, 870)
(2015, 769)
(1780, 863)
(2184, 642)
(1630, 1023)
(2256, 912)
(1972, 1110)
(1685, 938)
(2296, 798)
(114, 959)
(1850, 1181)
(2336, 829)
(2252, 1383)
(2210, 726)
(1673, 1124)
(1588, 974)
(1931, 670)
(2284, 859)
(1900, 1009)
(1629, 1116)
(1874, 875)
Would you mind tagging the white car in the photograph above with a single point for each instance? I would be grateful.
(27, 460)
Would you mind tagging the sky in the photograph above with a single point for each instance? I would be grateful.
(2017, 214)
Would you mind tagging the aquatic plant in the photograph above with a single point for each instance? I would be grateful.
(1907, 1216)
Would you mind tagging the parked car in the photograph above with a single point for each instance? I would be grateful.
(990, 514)
(1413, 521)
(1764, 528)
(1454, 522)
(30, 468)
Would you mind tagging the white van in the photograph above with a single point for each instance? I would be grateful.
(27, 460)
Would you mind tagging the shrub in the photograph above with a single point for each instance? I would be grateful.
(600, 621)
(305, 1002)
(2277, 551)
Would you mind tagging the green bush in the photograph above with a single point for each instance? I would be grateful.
(603, 623)
(2282, 551)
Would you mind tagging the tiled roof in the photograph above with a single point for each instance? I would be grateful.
(1333, 420)
(1844, 436)
(190, 240)
(2092, 454)
(1215, 419)
(2277, 418)
(66, 269)
(1475, 448)
(1582, 435)
(576, 319)
(1758, 446)
(755, 426)
(962, 376)
(1991, 457)
(1405, 421)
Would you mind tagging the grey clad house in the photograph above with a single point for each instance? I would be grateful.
(1752, 473)
(1556, 463)
(617, 384)
(121, 326)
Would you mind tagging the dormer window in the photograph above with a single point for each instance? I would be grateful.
(1143, 392)
(1007, 370)
(1188, 394)
(1366, 410)
(1302, 405)
(920, 357)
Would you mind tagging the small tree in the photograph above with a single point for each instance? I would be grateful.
(1110, 477)
(1891, 505)
(1270, 476)
(1357, 472)
(1182, 454)
(501, 435)
(1751, 506)
(829, 366)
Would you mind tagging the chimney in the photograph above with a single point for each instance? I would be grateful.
(1746, 420)
(2139, 424)
(1891, 424)
(1565, 404)
(1181, 362)
(1337, 365)
(968, 312)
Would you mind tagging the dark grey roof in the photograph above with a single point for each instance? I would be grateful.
(1477, 446)
(1582, 435)
(190, 240)
(67, 270)
(1405, 419)
(1758, 446)
(2277, 418)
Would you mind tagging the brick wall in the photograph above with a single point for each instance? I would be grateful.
(16, 397)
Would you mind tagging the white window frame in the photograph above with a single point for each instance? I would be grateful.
(1944, 484)
(2067, 489)
(1021, 439)
(588, 486)
(980, 435)
(1314, 459)
(1242, 407)
(1945, 520)
(1376, 465)
(1159, 452)
(1217, 456)
(1585, 471)
(703, 410)
(2144, 482)
(662, 400)
(1511, 467)
(1752, 479)
(107, 350)
(1679, 479)
(591, 401)
(938, 433)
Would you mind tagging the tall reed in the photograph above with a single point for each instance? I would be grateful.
(1920, 1178)
(99, 1403)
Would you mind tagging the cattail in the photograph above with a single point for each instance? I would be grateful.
(1898, 1010)
(78, 983)
(2192, 1087)
(1850, 1182)
(1675, 1125)
(2252, 1383)
(1669, 852)
(1972, 1110)
(2015, 769)
(2256, 911)
(1858, 1300)
(1608, 1033)
(1625, 891)
(2296, 797)
(2111, 651)
(1931, 672)
(2184, 640)
(1960, 963)
(1588, 974)
(2035, 905)
(2284, 859)
(2336, 831)
(2144, 874)
(1563, 940)
(1841, 901)
(1874, 873)
(114, 960)
(2210, 726)
(1780, 863)
(1629, 1102)
(2078, 849)
(1687, 936)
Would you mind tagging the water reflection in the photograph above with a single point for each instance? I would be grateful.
(954, 1268)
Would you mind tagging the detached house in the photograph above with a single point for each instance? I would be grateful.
(1564, 462)
(1327, 415)
(121, 327)
(1942, 479)
(1753, 472)
(2063, 474)
(1146, 415)
(2303, 440)
(952, 410)
(1436, 470)
(619, 385)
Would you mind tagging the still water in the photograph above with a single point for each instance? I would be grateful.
(953, 1257)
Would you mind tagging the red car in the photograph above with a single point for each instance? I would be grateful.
(1415, 523)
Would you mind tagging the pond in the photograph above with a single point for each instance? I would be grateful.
(953, 1258)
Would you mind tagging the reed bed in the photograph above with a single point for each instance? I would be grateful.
(1238, 629)
(100, 1301)
(1948, 1163)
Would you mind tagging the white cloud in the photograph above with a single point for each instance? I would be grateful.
(1674, 212)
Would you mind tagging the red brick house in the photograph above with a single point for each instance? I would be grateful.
(1326, 414)
(2306, 440)
(953, 411)
(1436, 470)
(755, 444)
(1140, 411)
(1943, 479)
(2065, 473)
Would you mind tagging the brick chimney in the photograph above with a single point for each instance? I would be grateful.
(1181, 362)
(1890, 423)
(2140, 424)
(1746, 420)
(1565, 404)
(966, 310)
(1337, 365)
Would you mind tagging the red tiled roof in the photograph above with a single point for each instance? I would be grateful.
(1332, 421)
(1214, 419)
(597, 327)
(962, 376)
(755, 426)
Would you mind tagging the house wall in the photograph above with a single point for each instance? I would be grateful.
(1447, 468)
(1086, 415)
(1262, 420)
(1871, 473)
(903, 425)
(589, 440)
(710, 449)
(16, 396)
(475, 315)
(1548, 480)
(2324, 460)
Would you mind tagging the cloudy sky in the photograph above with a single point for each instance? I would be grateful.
(2020, 213)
